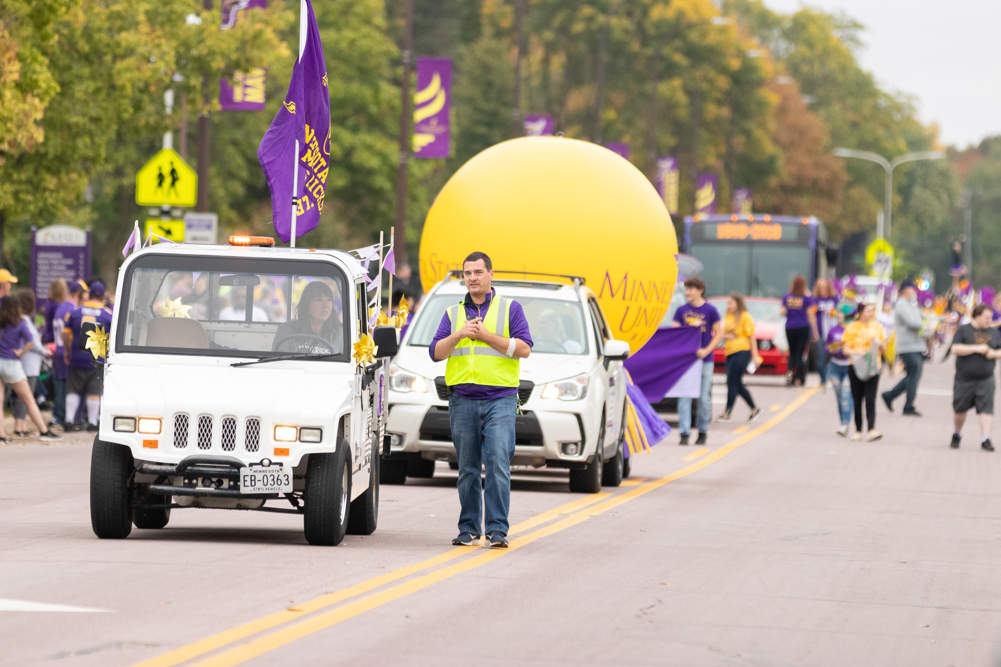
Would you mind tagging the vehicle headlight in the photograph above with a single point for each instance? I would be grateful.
(764, 344)
(310, 434)
(406, 382)
(124, 424)
(149, 425)
(572, 389)
(286, 433)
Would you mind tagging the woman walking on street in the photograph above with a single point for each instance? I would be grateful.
(31, 360)
(826, 301)
(865, 341)
(740, 347)
(15, 341)
(800, 312)
(838, 367)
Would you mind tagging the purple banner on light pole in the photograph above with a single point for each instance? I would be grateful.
(742, 201)
(432, 102)
(244, 91)
(231, 10)
(538, 125)
(705, 194)
(58, 251)
(620, 147)
(668, 182)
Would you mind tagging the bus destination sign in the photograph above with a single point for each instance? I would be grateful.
(748, 231)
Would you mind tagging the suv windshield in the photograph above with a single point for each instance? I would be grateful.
(557, 326)
(234, 307)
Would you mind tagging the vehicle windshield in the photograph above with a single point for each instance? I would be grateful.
(771, 267)
(557, 326)
(234, 307)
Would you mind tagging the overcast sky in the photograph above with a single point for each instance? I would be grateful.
(942, 53)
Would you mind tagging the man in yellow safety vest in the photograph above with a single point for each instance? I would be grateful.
(483, 337)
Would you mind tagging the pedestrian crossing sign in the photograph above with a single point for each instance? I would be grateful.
(166, 180)
(172, 230)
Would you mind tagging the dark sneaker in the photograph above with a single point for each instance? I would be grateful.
(955, 441)
(911, 413)
(754, 414)
(465, 540)
(987, 446)
(49, 436)
(701, 440)
(887, 402)
(497, 541)
(93, 428)
(684, 439)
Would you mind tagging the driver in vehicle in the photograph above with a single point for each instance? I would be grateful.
(317, 327)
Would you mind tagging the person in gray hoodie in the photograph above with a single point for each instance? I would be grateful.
(907, 320)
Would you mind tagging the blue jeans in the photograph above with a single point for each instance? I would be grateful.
(483, 434)
(912, 369)
(838, 376)
(820, 350)
(705, 402)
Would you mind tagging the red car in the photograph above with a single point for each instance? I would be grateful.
(769, 330)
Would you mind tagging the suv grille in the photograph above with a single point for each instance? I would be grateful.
(205, 432)
(253, 437)
(228, 434)
(180, 430)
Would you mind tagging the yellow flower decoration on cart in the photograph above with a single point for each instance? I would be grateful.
(402, 312)
(173, 308)
(382, 320)
(97, 342)
(364, 350)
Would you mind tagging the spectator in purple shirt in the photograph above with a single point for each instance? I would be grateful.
(15, 341)
(800, 312)
(483, 337)
(697, 312)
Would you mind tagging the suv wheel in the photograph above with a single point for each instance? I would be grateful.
(394, 471)
(365, 509)
(111, 470)
(417, 466)
(327, 496)
(588, 479)
(612, 473)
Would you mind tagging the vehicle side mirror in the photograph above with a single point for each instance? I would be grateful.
(616, 350)
(386, 343)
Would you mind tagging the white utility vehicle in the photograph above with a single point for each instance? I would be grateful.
(231, 382)
(572, 393)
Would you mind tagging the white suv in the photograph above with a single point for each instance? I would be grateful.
(572, 393)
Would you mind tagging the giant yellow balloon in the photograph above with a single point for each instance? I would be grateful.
(557, 205)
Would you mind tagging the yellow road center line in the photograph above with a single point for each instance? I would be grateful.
(633, 481)
(318, 622)
(776, 407)
(696, 454)
(297, 612)
(741, 429)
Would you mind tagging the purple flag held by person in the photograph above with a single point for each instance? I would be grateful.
(432, 102)
(304, 122)
(666, 365)
(643, 428)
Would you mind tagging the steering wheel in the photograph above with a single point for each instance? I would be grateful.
(308, 343)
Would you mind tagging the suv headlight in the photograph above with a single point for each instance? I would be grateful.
(406, 382)
(572, 389)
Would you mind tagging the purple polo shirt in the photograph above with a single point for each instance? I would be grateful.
(518, 328)
(796, 307)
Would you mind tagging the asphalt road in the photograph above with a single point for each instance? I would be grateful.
(779, 543)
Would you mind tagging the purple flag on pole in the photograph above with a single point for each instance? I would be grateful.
(389, 263)
(705, 194)
(244, 91)
(620, 147)
(741, 201)
(134, 238)
(668, 182)
(304, 116)
(432, 101)
(538, 125)
(666, 365)
(652, 429)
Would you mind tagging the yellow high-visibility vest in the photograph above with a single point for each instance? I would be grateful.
(475, 362)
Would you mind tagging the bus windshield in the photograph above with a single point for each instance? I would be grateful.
(233, 307)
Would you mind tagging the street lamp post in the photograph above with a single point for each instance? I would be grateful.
(888, 167)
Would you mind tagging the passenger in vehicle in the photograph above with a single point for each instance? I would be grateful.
(550, 336)
(236, 311)
(318, 326)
